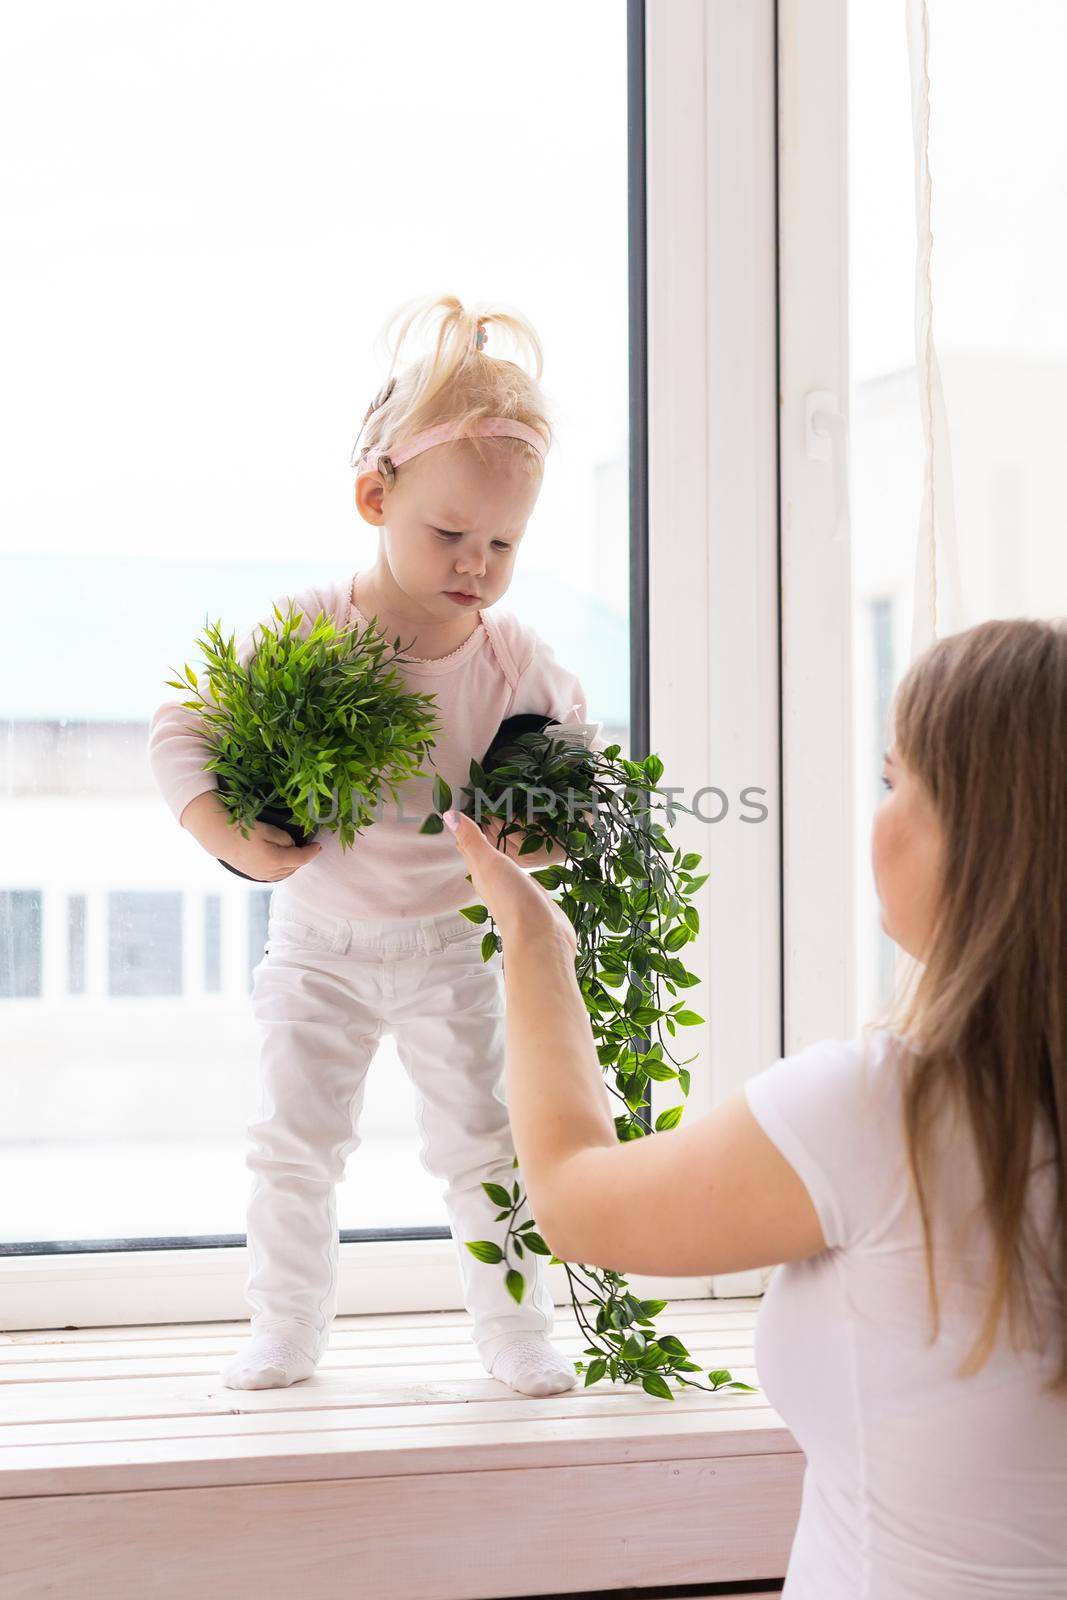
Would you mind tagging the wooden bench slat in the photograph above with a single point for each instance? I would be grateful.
(58, 1360)
(114, 1466)
(609, 1400)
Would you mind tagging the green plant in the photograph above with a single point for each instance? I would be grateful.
(630, 908)
(308, 716)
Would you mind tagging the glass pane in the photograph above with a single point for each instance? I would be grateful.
(190, 305)
(20, 943)
(144, 943)
(999, 170)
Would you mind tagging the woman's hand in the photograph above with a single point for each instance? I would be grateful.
(493, 827)
(513, 896)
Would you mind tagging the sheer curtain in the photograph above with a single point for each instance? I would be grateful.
(958, 350)
(938, 601)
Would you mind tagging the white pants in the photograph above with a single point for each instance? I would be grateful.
(325, 992)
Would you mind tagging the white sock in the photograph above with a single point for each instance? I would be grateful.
(267, 1362)
(533, 1366)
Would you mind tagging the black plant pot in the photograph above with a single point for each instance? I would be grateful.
(507, 733)
(510, 729)
(278, 817)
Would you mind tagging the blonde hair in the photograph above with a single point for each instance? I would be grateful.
(457, 382)
(981, 719)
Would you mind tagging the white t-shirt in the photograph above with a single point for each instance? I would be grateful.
(919, 1485)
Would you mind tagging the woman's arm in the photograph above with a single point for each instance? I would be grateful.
(557, 1099)
(717, 1196)
(714, 1197)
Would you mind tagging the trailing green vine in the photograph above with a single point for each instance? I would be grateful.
(627, 892)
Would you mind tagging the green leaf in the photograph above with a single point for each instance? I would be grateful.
(737, 1384)
(488, 945)
(652, 1383)
(688, 1019)
(535, 1243)
(635, 1346)
(653, 767)
(486, 1250)
(673, 1346)
(516, 1284)
(596, 1371)
(498, 1195)
(475, 913)
(442, 794)
(669, 1118)
(690, 861)
(720, 1376)
(549, 877)
(433, 824)
(651, 1308)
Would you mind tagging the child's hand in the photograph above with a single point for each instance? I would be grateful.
(268, 853)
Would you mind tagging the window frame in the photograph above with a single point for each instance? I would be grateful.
(712, 320)
(818, 852)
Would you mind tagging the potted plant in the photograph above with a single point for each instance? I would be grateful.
(627, 893)
(310, 717)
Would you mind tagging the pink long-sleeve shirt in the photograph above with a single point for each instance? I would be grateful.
(392, 870)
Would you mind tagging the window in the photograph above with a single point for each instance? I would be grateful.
(20, 943)
(144, 943)
(190, 309)
(1000, 326)
(212, 944)
(75, 944)
(258, 903)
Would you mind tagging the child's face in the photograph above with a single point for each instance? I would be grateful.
(451, 525)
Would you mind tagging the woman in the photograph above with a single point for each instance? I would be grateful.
(912, 1183)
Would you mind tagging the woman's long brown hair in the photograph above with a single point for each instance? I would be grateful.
(981, 719)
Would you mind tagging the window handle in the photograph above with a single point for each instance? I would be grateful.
(826, 439)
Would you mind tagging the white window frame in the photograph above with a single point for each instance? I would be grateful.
(722, 241)
(712, 314)
(818, 861)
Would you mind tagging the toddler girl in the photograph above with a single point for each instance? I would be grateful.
(371, 941)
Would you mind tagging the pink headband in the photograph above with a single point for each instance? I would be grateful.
(486, 427)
